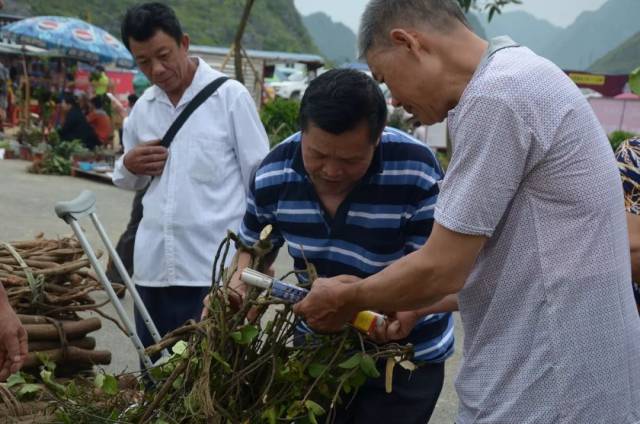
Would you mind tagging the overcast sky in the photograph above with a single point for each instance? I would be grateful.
(558, 12)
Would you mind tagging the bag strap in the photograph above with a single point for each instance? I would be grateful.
(199, 98)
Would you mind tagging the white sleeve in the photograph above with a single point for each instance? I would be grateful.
(122, 177)
(251, 144)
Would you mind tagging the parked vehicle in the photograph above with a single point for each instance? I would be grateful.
(293, 87)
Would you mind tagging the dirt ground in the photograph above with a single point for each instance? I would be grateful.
(26, 208)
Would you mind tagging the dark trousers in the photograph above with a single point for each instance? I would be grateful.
(411, 401)
(169, 307)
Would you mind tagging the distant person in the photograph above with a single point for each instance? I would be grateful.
(75, 125)
(4, 95)
(119, 115)
(628, 156)
(197, 188)
(100, 121)
(529, 233)
(100, 81)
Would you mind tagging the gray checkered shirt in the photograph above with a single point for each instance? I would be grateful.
(551, 330)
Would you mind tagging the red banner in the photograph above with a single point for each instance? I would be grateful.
(121, 83)
(607, 85)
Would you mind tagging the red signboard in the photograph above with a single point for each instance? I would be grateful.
(607, 85)
(121, 83)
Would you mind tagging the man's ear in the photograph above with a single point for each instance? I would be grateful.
(403, 38)
(185, 42)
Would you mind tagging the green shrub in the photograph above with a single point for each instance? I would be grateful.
(280, 119)
(57, 159)
(443, 158)
(617, 137)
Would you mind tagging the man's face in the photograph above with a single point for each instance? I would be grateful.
(415, 78)
(163, 61)
(335, 163)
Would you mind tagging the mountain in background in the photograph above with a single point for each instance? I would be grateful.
(621, 60)
(273, 24)
(593, 34)
(524, 28)
(336, 41)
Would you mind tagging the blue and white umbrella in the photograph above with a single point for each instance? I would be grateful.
(71, 37)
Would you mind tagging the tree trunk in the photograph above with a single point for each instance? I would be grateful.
(73, 355)
(71, 329)
(237, 41)
(83, 343)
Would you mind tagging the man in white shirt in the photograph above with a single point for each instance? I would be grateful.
(200, 184)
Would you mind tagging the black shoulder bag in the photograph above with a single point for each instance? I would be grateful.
(126, 243)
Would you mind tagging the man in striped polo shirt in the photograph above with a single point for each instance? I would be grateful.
(353, 197)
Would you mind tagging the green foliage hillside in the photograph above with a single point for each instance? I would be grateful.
(621, 60)
(273, 25)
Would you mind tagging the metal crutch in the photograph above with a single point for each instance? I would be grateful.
(71, 212)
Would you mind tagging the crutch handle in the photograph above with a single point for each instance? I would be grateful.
(82, 205)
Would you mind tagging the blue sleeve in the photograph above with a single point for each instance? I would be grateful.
(421, 217)
(259, 214)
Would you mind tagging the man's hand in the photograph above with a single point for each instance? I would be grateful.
(237, 293)
(328, 306)
(146, 159)
(397, 327)
(13, 342)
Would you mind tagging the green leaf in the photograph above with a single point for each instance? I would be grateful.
(245, 335)
(358, 379)
(346, 387)
(110, 385)
(295, 410)
(15, 379)
(221, 360)
(352, 362)
(47, 378)
(314, 407)
(28, 390)
(312, 417)
(63, 417)
(249, 333)
(99, 381)
(48, 363)
(107, 383)
(368, 366)
(72, 389)
(237, 337)
(180, 348)
(178, 382)
(156, 372)
(269, 415)
(315, 369)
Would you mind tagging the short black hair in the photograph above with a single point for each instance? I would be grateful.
(339, 100)
(97, 102)
(70, 98)
(141, 22)
(132, 99)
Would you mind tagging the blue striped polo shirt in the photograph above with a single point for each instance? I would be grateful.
(388, 215)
